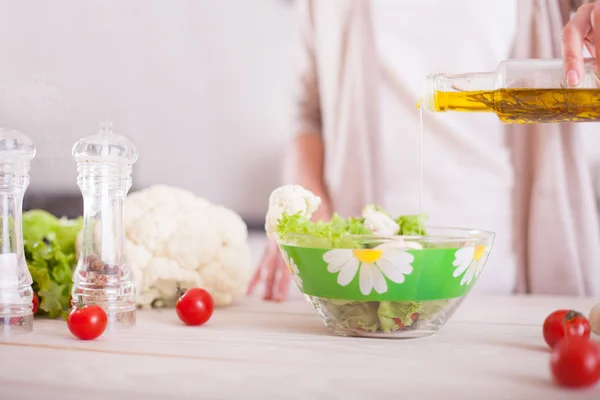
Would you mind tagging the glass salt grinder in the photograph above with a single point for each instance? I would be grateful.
(16, 294)
(103, 276)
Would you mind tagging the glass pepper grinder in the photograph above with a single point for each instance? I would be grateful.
(103, 277)
(16, 294)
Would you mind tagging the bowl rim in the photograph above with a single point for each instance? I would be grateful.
(469, 235)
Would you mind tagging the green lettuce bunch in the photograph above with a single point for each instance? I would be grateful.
(337, 233)
(49, 244)
(383, 316)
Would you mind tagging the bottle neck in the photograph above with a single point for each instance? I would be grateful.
(445, 92)
(113, 179)
(14, 176)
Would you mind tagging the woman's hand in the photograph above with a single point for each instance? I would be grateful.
(582, 30)
(272, 269)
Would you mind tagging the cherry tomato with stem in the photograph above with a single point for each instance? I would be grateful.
(194, 306)
(565, 323)
(575, 362)
(87, 322)
(576, 324)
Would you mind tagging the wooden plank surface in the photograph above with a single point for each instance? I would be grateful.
(491, 349)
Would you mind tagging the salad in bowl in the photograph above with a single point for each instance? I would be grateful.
(376, 275)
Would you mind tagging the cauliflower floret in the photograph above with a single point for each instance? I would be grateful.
(142, 202)
(290, 200)
(175, 238)
(225, 263)
(379, 223)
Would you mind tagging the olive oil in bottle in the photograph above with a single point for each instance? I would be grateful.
(519, 92)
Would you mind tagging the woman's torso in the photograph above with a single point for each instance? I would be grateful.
(467, 172)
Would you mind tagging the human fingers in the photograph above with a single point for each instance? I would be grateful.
(258, 272)
(271, 267)
(573, 35)
(283, 285)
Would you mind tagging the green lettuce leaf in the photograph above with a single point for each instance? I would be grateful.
(49, 245)
(325, 235)
(52, 272)
(411, 225)
(355, 314)
(389, 312)
(382, 316)
(37, 224)
(337, 232)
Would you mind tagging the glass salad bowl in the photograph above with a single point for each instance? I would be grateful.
(390, 287)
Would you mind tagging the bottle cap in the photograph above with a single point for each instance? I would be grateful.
(15, 146)
(105, 146)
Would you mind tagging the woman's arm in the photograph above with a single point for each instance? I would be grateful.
(304, 158)
(305, 167)
(306, 155)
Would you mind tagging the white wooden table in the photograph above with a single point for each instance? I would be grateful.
(491, 349)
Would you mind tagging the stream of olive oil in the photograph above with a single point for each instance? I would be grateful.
(525, 106)
(421, 219)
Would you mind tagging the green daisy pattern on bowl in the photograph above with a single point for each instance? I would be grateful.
(289, 261)
(387, 272)
(469, 262)
(372, 265)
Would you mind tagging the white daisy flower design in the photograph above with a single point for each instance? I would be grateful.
(469, 262)
(289, 261)
(372, 265)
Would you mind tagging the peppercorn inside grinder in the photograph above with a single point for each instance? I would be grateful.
(103, 276)
(16, 294)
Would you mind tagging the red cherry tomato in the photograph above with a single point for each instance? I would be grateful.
(575, 362)
(577, 325)
(414, 317)
(565, 323)
(87, 323)
(35, 302)
(195, 307)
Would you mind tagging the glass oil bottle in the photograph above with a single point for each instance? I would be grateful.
(518, 92)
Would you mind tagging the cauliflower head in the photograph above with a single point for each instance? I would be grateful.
(289, 199)
(174, 237)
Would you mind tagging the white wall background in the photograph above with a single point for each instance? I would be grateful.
(203, 87)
